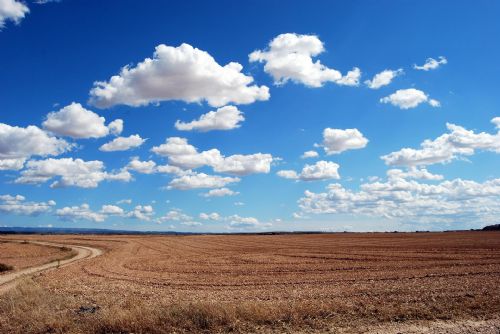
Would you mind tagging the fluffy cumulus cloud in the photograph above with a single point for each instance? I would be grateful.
(496, 122)
(336, 141)
(141, 212)
(123, 144)
(236, 221)
(225, 118)
(321, 170)
(409, 98)
(431, 64)
(174, 215)
(18, 205)
(116, 127)
(412, 173)
(12, 164)
(458, 142)
(82, 212)
(143, 167)
(112, 210)
(309, 154)
(18, 144)
(289, 57)
(183, 155)
(77, 122)
(383, 78)
(240, 164)
(69, 172)
(200, 180)
(12, 10)
(220, 192)
(167, 169)
(150, 167)
(178, 73)
(210, 216)
(409, 200)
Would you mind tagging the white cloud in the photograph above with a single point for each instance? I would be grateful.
(200, 180)
(82, 212)
(18, 205)
(289, 57)
(431, 64)
(70, 172)
(239, 164)
(181, 154)
(112, 210)
(178, 73)
(167, 169)
(19, 144)
(225, 118)
(336, 141)
(411, 173)
(409, 98)
(12, 10)
(236, 221)
(116, 127)
(383, 78)
(220, 192)
(174, 215)
(12, 164)
(77, 122)
(124, 201)
(141, 212)
(496, 122)
(123, 143)
(321, 170)
(144, 167)
(309, 154)
(288, 174)
(410, 201)
(447, 147)
(210, 216)
(299, 215)
(351, 78)
(434, 103)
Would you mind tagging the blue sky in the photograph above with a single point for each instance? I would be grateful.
(219, 101)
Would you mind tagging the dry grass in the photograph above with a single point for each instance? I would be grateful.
(261, 284)
(31, 309)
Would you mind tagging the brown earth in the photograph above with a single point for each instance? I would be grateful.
(346, 283)
(29, 255)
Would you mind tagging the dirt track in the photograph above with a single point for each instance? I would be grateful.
(9, 280)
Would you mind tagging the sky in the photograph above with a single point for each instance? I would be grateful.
(250, 116)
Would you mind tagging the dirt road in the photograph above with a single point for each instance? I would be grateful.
(7, 281)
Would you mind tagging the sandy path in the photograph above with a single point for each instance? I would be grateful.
(8, 281)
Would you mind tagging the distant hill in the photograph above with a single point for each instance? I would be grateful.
(495, 227)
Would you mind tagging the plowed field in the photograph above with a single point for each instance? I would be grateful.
(344, 282)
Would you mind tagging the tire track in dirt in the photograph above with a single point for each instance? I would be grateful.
(8, 281)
